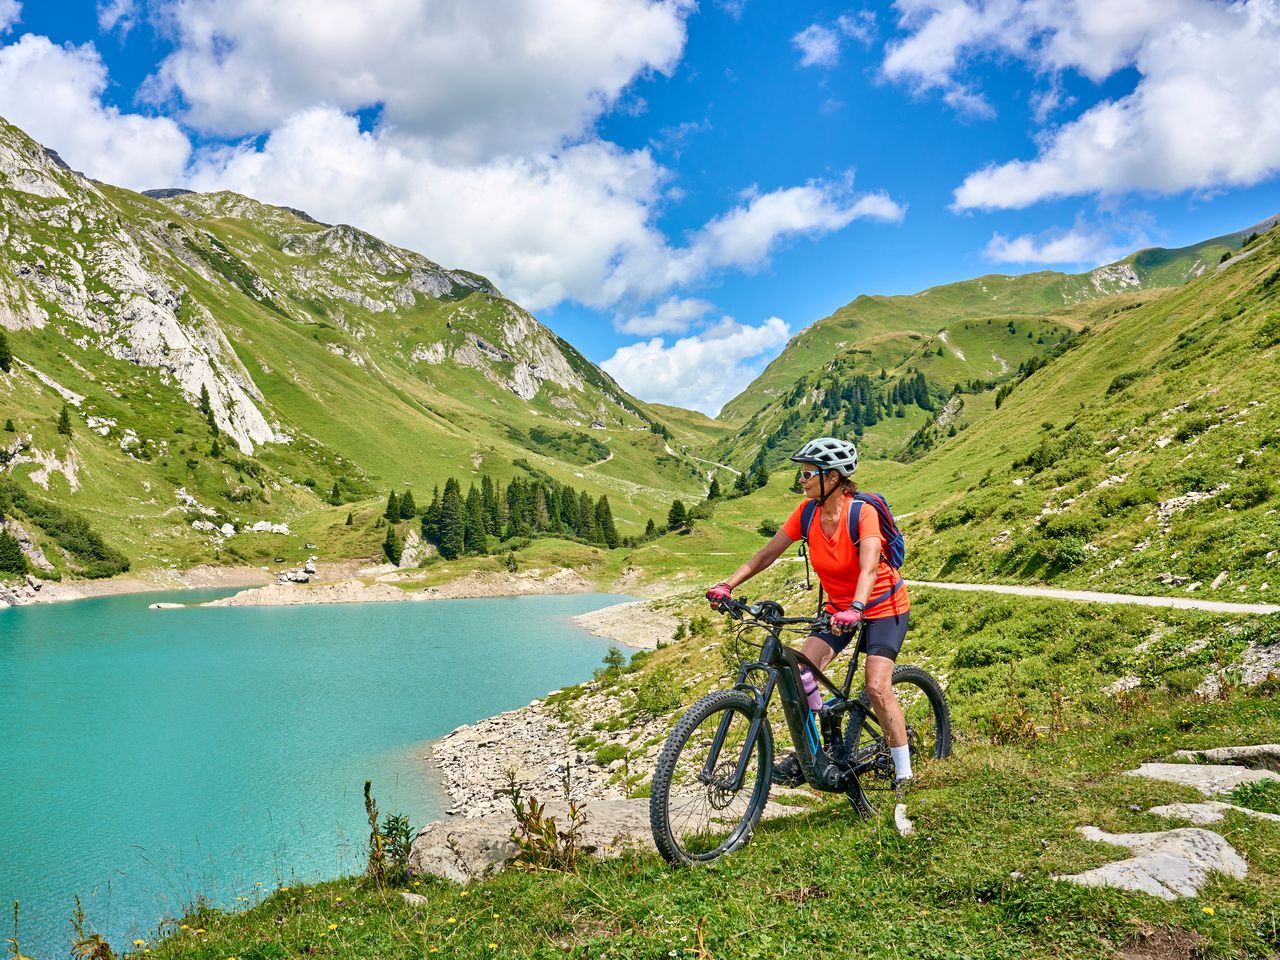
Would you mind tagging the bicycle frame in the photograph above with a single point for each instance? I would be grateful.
(780, 666)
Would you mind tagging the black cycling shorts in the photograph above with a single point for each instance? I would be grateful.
(882, 637)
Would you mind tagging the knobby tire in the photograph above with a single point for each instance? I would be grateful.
(697, 822)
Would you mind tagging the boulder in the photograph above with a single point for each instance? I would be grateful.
(1261, 756)
(1167, 864)
(1211, 811)
(1209, 779)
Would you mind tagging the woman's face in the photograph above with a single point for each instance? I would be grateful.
(812, 482)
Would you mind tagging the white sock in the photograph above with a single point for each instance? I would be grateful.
(901, 761)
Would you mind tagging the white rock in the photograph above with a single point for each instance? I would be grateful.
(1209, 779)
(1210, 811)
(1168, 864)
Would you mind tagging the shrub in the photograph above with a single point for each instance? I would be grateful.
(609, 753)
(767, 528)
(1252, 492)
(1123, 380)
(953, 517)
(658, 693)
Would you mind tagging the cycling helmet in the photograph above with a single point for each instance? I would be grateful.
(829, 454)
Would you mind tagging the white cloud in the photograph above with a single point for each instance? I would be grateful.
(1075, 246)
(860, 26)
(477, 80)
(577, 224)
(1205, 114)
(701, 372)
(55, 94)
(819, 46)
(117, 13)
(10, 13)
(674, 315)
(1200, 59)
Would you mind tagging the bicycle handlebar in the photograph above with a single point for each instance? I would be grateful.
(768, 612)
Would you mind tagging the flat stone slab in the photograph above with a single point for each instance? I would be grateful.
(1208, 778)
(1211, 811)
(463, 850)
(1168, 864)
(1261, 756)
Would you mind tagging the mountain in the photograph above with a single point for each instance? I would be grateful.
(886, 368)
(323, 356)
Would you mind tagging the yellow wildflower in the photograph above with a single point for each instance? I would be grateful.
(493, 946)
(1209, 911)
(452, 920)
(199, 929)
(333, 926)
(466, 893)
(138, 943)
(184, 927)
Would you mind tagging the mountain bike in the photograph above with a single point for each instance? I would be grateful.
(712, 779)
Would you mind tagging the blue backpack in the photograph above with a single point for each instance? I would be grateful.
(893, 546)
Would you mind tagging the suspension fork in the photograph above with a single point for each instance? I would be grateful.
(758, 718)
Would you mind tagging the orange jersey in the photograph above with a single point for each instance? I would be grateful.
(835, 560)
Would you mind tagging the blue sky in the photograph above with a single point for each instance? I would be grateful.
(677, 188)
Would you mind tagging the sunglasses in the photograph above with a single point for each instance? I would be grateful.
(810, 474)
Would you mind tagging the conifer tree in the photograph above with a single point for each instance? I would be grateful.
(587, 528)
(453, 521)
(473, 534)
(408, 509)
(206, 407)
(650, 529)
(489, 501)
(335, 495)
(392, 512)
(64, 421)
(350, 520)
(677, 516)
(391, 546)
(742, 485)
(6, 353)
(215, 448)
(431, 518)
(713, 491)
(760, 478)
(8, 426)
(12, 559)
(604, 520)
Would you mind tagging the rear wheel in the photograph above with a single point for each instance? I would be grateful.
(695, 811)
(924, 706)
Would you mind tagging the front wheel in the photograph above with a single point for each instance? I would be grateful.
(924, 707)
(699, 808)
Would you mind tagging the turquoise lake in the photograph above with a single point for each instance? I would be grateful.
(150, 757)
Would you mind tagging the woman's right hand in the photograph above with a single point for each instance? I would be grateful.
(721, 591)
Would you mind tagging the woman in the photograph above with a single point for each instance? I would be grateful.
(860, 585)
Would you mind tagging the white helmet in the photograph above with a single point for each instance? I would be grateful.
(829, 454)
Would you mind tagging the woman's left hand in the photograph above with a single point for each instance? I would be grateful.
(846, 620)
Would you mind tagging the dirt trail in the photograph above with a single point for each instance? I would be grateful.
(1092, 596)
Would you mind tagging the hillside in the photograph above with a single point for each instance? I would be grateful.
(325, 359)
(1143, 458)
(877, 325)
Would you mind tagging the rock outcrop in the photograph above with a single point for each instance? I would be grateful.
(1168, 864)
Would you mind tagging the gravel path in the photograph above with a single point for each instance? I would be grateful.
(1092, 596)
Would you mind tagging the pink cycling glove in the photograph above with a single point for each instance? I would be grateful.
(721, 591)
(846, 620)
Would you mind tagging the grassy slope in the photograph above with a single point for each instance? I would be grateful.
(1175, 397)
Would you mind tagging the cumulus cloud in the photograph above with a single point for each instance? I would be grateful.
(54, 93)
(701, 372)
(577, 224)
(674, 315)
(478, 80)
(1194, 58)
(10, 13)
(121, 14)
(1076, 246)
(819, 46)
